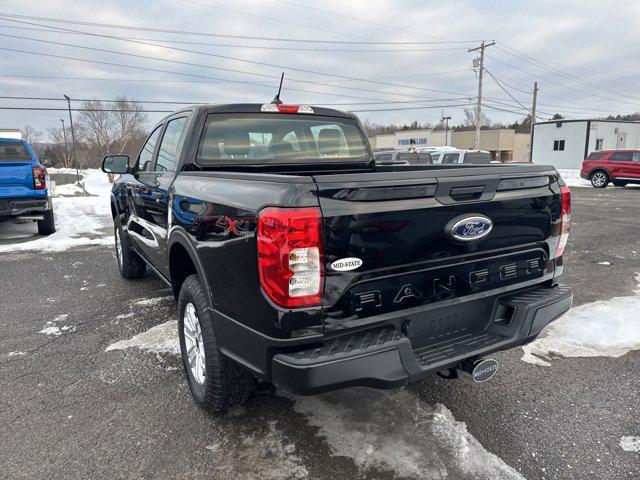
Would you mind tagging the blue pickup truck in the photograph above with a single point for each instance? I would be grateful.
(25, 189)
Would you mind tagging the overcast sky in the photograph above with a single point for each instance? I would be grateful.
(588, 53)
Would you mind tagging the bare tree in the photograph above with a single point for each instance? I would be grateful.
(104, 128)
(58, 149)
(470, 118)
(30, 134)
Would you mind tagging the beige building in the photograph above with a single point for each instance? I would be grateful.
(504, 145)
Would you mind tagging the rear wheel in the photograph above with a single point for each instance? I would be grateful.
(216, 382)
(129, 262)
(47, 225)
(619, 184)
(599, 179)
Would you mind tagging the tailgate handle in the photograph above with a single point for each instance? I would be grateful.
(467, 193)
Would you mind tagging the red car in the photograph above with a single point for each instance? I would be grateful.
(617, 166)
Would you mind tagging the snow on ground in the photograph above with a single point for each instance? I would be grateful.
(52, 328)
(161, 338)
(630, 444)
(399, 432)
(608, 328)
(382, 436)
(572, 178)
(79, 220)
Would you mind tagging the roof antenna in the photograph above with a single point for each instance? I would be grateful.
(276, 99)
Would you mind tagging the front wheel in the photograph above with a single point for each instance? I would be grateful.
(216, 382)
(599, 179)
(47, 225)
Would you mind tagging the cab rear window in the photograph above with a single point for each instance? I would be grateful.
(14, 152)
(265, 138)
(477, 157)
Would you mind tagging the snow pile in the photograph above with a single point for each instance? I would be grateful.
(608, 328)
(79, 220)
(630, 444)
(398, 432)
(162, 338)
(572, 178)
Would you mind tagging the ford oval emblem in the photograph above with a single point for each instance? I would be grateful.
(468, 228)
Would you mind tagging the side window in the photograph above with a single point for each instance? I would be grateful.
(596, 156)
(621, 157)
(558, 145)
(168, 150)
(636, 156)
(145, 159)
(384, 157)
(450, 158)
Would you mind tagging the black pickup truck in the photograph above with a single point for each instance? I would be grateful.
(296, 260)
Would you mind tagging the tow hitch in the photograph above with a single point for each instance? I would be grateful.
(481, 370)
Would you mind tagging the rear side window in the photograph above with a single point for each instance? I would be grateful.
(636, 156)
(449, 158)
(596, 156)
(477, 158)
(384, 157)
(265, 138)
(621, 157)
(14, 152)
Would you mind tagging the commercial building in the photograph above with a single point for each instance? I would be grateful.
(566, 143)
(505, 145)
(10, 133)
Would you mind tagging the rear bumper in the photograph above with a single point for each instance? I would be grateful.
(15, 207)
(584, 175)
(384, 357)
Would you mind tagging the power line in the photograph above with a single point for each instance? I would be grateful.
(225, 57)
(257, 47)
(218, 35)
(505, 90)
(174, 102)
(509, 50)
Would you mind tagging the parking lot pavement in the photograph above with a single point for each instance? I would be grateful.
(73, 409)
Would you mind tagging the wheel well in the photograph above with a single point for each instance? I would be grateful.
(180, 267)
(595, 170)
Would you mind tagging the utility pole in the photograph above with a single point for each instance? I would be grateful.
(479, 107)
(74, 161)
(446, 130)
(533, 106)
(533, 119)
(66, 148)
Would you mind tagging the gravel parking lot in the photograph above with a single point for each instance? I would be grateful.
(73, 409)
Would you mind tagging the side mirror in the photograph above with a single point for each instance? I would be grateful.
(45, 162)
(116, 164)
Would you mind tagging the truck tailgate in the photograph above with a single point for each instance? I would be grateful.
(16, 179)
(399, 225)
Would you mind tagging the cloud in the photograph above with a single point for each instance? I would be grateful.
(582, 39)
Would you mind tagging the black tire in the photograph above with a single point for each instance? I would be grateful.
(47, 226)
(130, 264)
(619, 184)
(224, 383)
(599, 179)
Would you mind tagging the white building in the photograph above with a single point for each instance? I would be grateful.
(566, 143)
(10, 133)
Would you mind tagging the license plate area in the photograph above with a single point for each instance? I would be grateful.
(454, 321)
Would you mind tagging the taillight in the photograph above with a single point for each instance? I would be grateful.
(39, 178)
(565, 219)
(290, 255)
